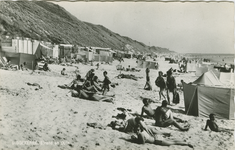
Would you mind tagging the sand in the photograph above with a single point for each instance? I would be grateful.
(46, 118)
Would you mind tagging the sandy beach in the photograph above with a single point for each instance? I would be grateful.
(48, 119)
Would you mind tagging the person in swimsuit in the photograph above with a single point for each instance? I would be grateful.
(147, 108)
(213, 126)
(147, 84)
(144, 137)
(164, 118)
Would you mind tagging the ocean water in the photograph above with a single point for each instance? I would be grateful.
(215, 58)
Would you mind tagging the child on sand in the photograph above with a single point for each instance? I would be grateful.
(148, 84)
(106, 83)
(63, 71)
(213, 126)
(147, 108)
(160, 82)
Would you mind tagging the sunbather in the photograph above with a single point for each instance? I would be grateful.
(213, 126)
(144, 137)
(81, 93)
(147, 108)
(76, 83)
(164, 118)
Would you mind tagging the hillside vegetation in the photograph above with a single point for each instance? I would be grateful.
(50, 22)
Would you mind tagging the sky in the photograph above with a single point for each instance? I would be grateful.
(189, 27)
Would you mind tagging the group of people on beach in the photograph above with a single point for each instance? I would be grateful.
(148, 134)
(169, 85)
(90, 88)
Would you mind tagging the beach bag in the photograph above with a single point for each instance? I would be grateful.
(176, 98)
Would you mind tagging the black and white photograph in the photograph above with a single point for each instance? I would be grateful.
(117, 75)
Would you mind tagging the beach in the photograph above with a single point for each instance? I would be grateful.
(49, 118)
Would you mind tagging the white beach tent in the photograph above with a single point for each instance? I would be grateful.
(204, 97)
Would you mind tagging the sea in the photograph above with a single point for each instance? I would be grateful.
(214, 58)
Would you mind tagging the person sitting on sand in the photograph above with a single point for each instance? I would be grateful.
(45, 67)
(89, 73)
(144, 137)
(84, 94)
(76, 83)
(164, 118)
(106, 83)
(213, 126)
(160, 82)
(88, 83)
(63, 72)
(95, 82)
(148, 84)
(97, 66)
(147, 108)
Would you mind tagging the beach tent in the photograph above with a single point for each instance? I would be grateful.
(191, 67)
(227, 77)
(209, 79)
(43, 50)
(202, 100)
(200, 70)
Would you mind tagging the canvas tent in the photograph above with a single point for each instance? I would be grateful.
(44, 51)
(209, 78)
(205, 97)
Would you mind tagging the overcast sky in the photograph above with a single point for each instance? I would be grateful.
(190, 27)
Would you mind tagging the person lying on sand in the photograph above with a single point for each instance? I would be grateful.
(127, 76)
(81, 93)
(147, 108)
(34, 84)
(164, 118)
(144, 137)
(213, 126)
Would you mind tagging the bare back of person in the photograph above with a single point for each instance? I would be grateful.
(148, 110)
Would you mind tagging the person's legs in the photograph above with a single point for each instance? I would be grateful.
(168, 97)
(172, 142)
(97, 97)
(161, 93)
(169, 122)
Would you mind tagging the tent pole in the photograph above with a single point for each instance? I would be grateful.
(191, 102)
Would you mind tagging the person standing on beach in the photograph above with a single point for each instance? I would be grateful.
(106, 83)
(160, 82)
(171, 85)
(148, 84)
